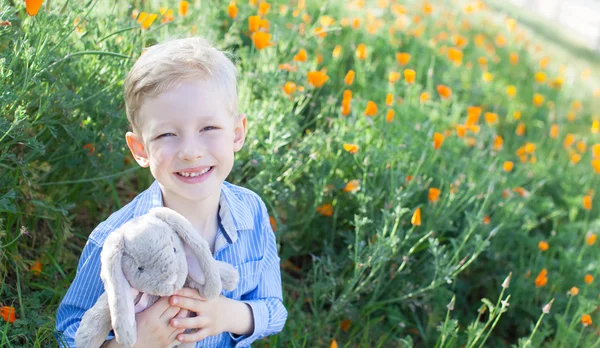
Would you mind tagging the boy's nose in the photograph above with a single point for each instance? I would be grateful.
(191, 151)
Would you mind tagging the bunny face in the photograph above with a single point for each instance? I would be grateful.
(153, 258)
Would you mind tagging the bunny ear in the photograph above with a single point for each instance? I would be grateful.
(183, 228)
(118, 291)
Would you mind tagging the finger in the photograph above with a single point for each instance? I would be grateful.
(193, 337)
(169, 313)
(183, 313)
(189, 292)
(160, 306)
(173, 337)
(191, 323)
(191, 304)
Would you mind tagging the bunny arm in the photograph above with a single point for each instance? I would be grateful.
(95, 325)
(117, 289)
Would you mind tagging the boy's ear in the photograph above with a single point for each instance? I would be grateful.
(239, 133)
(137, 148)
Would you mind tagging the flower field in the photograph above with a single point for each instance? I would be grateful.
(430, 171)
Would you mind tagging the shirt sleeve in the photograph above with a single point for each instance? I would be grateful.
(266, 300)
(81, 296)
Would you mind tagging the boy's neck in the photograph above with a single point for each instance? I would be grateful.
(202, 215)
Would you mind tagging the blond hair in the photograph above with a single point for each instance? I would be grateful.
(168, 64)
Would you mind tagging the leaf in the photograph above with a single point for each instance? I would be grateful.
(7, 202)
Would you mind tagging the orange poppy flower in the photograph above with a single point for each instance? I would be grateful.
(361, 51)
(317, 78)
(337, 51)
(389, 117)
(8, 313)
(325, 209)
(596, 151)
(253, 23)
(438, 140)
(394, 77)
(543, 245)
(347, 94)
(345, 325)
(491, 118)
(538, 99)
(333, 343)
(433, 195)
(389, 99)
(352, 148)
(517, 115)
(596, 165)
(183, 8)
(146, 20)
(416, 218)
(232, 10)
(587, 202)
(554, 131)
(514, 58)
(574, 291)
(403, 58)
(542, 278)
(473, 113)
(445, 92)
(352, 186)
(263, 8)
(498, 142)
(520, 129)
(569, 140)
(36, 267)
(590, 238)
(33, 6)
(424, 97)
(455, 55)
(289, 88)
(261, 40)
(586, 320)
(346, 107)
(409, 76)
(349, 77)
(264, 24)
(371, 109)
(301, 56)
(588, 279)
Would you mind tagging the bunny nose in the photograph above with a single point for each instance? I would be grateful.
(172, 279)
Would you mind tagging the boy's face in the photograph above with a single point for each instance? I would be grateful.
(184, 132)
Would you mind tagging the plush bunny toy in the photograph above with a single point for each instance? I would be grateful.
(146, 258)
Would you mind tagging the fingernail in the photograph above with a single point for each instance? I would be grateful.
(175, 322)
(174, 300)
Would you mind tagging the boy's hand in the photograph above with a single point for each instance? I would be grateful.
(212, 316)
(153, 329)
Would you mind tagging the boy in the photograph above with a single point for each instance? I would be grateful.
(181, 102)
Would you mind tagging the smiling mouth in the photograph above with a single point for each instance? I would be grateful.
(194, 174)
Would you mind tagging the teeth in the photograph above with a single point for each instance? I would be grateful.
(192, 175)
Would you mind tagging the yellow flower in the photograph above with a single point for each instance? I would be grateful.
(416, 218)
(511, 90)
(352, 148)
(574, 291)
(403, 58)
(554, 131)
(253, 23)
(389, 99)
(289, 88)
(590, 238)
(301, 56)
(540, 77)
(361, 51)
(538, 99)
(389, 117)
(491, 118)
(543, 245)
(148, 20)
(587, 202)
(424, 97)
(588, 279)
(263, 8)
(394, 77)
(337, 51)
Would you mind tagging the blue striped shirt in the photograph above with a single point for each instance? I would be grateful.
(244, 239)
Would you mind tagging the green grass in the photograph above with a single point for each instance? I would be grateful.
(366, 261)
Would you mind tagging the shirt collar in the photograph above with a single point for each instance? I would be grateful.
(234, 215)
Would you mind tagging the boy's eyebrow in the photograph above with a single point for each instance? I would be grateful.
(208, 119)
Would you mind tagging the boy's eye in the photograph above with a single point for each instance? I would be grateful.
(209, 128)
(165, 135)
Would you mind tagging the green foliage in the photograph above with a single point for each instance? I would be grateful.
(65, 165)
